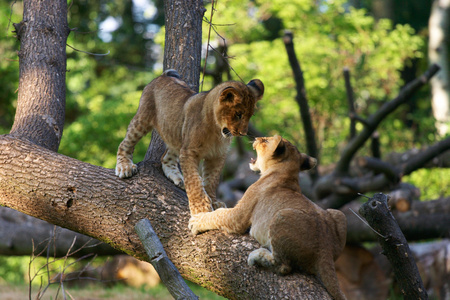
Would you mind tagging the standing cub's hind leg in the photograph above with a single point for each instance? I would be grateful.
(170, 168)
(136, 130)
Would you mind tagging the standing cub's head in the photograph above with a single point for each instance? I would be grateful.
(236, 105)
(275, 150)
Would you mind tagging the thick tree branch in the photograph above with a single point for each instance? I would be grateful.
(419, 160)
(93, 201)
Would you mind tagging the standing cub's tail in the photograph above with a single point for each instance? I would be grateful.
(172, 73)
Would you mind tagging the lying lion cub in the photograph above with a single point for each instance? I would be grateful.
(195, 127)
(294, 232)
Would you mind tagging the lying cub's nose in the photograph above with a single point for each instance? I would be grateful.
(243, 133)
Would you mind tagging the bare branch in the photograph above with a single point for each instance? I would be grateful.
(302, 101)
(374, 120)
(351, 102)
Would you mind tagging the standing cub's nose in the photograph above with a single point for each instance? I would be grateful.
(243, 133)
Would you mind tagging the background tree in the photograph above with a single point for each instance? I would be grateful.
(89, 199)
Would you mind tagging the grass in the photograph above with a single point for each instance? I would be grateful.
(14, 284)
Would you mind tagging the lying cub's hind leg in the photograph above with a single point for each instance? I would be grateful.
(264, 258)
(170, 167)
(261, 257)
(136, 130)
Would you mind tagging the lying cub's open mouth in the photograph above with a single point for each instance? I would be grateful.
(252, 161)
(226, 132)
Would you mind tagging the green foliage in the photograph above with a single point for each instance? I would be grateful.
(13, 269)
(432, 183)
(104, 107)
(9, 64)
(327, 38)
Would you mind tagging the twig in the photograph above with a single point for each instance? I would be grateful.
(362, 220)
(90, 53)
(213, 8)
(10, 15)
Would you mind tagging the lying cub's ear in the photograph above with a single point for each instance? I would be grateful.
(280, 146)
(308, 162)
(257, 88)
(228, 94)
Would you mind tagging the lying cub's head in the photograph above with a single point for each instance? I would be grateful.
(275, 150)
(236, 105)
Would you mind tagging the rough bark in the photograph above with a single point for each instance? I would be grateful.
(93, 201)
(42, 69)
(395, 246)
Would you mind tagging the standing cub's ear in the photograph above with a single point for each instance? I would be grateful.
(228, 94)
(257, 88)
(308, 162)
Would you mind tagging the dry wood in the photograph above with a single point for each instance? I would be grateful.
(425, 220)
(395, 246)
(158, 258)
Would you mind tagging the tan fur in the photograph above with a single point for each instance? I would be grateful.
(294, 233)
(195, 127)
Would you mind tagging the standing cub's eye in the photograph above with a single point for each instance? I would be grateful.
(238, 116)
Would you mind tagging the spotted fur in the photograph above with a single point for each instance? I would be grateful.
(194, 127)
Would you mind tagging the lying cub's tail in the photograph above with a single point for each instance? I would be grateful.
(172, 73)
(327, 274)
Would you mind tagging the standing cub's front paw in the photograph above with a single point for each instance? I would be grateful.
(195, 223)
(125, 168)
(218, 204)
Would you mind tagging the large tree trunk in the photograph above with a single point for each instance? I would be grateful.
(42, 66)
(92, 200)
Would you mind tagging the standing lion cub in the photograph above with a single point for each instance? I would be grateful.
(294, 233)
(194, 127)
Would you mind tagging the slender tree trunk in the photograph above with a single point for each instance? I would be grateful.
(439, 29)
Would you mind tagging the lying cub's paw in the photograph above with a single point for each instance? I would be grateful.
(261, 257)
(126, 169)
(195, 223)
